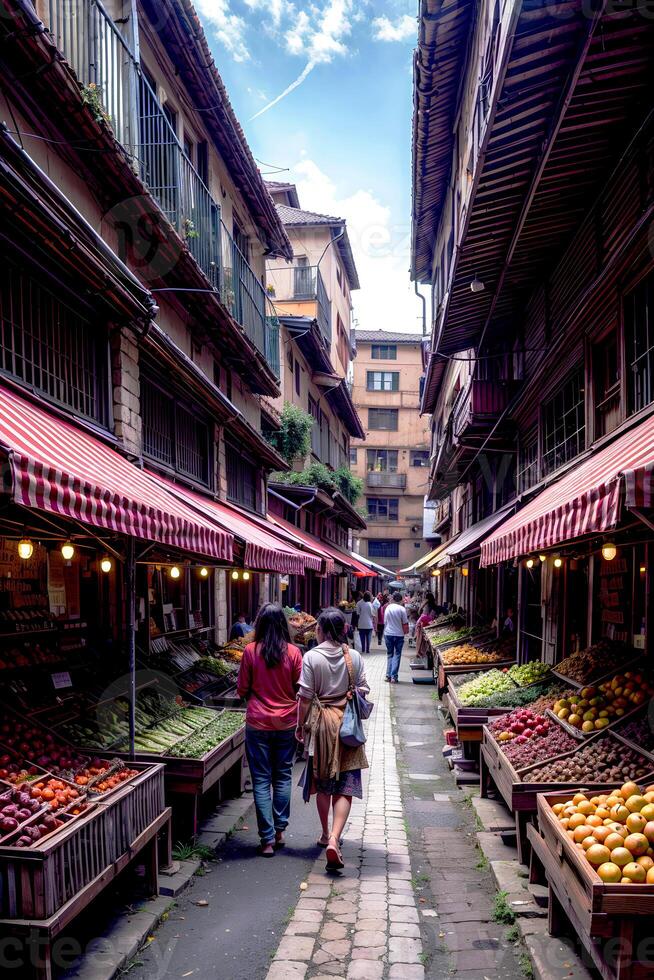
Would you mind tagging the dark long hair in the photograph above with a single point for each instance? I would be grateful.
(332, 622)
(271, 633)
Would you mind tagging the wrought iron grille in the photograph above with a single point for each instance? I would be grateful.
(242, 479)
(173, 434)
(48, 346)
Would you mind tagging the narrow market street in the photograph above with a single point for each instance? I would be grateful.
(411, 903)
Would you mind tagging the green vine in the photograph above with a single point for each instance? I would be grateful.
(318, 475)
(293, 440)
(92, 97)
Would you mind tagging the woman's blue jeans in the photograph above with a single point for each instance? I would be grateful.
(270, 757)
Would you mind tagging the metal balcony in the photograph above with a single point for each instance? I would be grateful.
(309, 285)
(101, 53)
(388, 481)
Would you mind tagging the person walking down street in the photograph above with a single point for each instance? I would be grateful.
(333, 771)
(383, 602)
(366, 619)
(396, 626)
(268, 679)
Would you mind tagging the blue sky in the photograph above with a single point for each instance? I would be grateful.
(344, 131)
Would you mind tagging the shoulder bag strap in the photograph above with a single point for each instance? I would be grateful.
(350, 668)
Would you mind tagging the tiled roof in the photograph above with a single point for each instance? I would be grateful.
(386, 337)
(298, 216)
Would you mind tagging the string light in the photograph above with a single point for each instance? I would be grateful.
(609, 551)
(106, 564)
(204, 572)
(67, 550)
(25, 549)
(175, 572)
(464, 572)
(530, 563)
(235, 575)
(643, 569)
(542, 558)
(246, 576)
(558, 562)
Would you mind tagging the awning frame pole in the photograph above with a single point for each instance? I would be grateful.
(130, 604)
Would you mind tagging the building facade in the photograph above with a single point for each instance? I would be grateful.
(393, 460)
(536, 241)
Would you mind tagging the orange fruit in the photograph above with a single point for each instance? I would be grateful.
(602, 812)
(612, 800)
(601, 833)
(579, 798)
(635, 804)
(576, 820)
(636, 823)
(581, 833)
(629, 789)
(648, 830)
(594, 821)
(637, 844)
(597, 855)
(557, 808)
(645, 862)
(589, 842)
(648, 811)
(565, 822)
(650, 877)
(586, 807)
(620, 828)
(610, 872)
(619, 813)
(621, 856)
(635, 873)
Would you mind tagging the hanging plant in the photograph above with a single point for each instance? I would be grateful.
(293, 440)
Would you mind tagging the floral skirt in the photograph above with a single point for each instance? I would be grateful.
(348, 784)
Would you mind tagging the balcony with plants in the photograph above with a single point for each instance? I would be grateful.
(102, 53)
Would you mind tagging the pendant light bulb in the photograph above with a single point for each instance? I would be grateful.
(246, 576)
(464, 571)
(204, 572)
(106, 564)
(437, 573)
(530, 563)
(558, 562)
(175, 572)
(609, 551)
(235, 575)
(67, 550)
(542, 559)
(25, 549)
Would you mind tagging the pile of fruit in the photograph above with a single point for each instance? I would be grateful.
(553, 741)
(614, 832)
(595, 707)
(530, 673)
(639, 732)
(539, 697)
(586, 665)
(521, 725)
(17, 806)
(233, 650)
(34, 745)
(473, 693)
(467, 654)
(55, 792)
(602, 761)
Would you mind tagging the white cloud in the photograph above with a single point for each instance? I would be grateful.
(381, 249)
(227, 26)
(401, 29)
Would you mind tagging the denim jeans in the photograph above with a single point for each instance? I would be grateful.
(394, 646)
(365, 640)
(270, 757)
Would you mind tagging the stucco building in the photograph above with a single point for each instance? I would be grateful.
(393, 460)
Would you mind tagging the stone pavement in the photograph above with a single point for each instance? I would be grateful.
(363, 924)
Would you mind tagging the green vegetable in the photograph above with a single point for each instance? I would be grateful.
(529, 673)
(204, 741)
(475, 692)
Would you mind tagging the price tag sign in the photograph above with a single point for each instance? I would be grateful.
(61, 680)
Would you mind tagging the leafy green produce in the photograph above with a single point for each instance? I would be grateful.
(521, 696)
(210, 736)
(474, 693)
(439, 637)
(216, 666)
(529, 673)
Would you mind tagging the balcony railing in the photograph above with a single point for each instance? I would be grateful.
(102, 55)
(324, 309)
(393, 481)
(308, 284)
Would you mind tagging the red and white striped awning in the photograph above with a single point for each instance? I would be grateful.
(587, 500)
(305, 540)
(265, 550)
(60, 468)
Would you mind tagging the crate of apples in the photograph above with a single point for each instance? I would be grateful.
(596, 707)
(614, 831)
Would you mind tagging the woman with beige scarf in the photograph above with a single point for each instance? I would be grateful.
(333, 770)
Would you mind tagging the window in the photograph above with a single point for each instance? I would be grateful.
(384, 419)
(383, 508)
(606, 384)
(324, 438)
(384, 352)
(203, 161)
(639, 344)
(419, 457)
(353, 457)
(339, 276)
(381, 460)
(383, 548)
(314, 412)
(289, 357)
(527, 474)
(303, 285)
(298, 379)
(174, 434)
(383, 380)
(342, 343)
(564, 424)
(47, 345)
(242, 479)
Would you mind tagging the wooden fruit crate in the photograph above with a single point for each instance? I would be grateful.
(634, 661)
(613, 922)
(36, 883)
(442, 671)
(520, 793)
(469, 722)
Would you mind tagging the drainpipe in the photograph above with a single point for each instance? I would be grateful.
(424, 307)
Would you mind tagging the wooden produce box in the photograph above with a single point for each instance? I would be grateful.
(433, 649)
(612, 921)
(36, 883)
(443, 671)
(469, 722)
(635, 661)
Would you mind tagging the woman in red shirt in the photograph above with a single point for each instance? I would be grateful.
(268, 680)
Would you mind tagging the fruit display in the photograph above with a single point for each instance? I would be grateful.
(539, 697)
(553, 741)
(205, 740)
(595, 707)
(639, 732)
(37, 746)
(614, 832)
(603, 760)
(467, 654)
(526, 674)
(58, 794)
(301, 620)
(16, 807)
(601, 658)
(233, 650)
(473, 693)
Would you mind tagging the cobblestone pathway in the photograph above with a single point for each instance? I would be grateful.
(363, 925)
